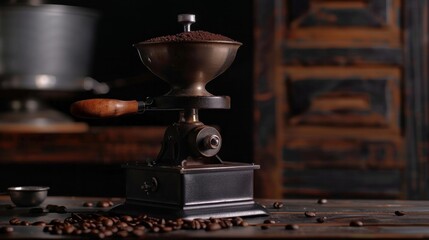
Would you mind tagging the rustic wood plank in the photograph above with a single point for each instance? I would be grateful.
(325, 153)
(416, 100)
(343, 23)
(268, 20)
(99, 145)
(342, 56)
(342, 96)
(348, 183)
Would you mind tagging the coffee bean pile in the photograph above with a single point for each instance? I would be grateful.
(102, 226)
(190, 36)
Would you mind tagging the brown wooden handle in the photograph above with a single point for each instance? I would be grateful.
(103, 108)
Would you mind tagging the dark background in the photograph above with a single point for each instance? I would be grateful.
(116, 62)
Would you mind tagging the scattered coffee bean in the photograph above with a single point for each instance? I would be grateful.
(138, 232)
(24, 223)
(399, 213)
(292, 227)
(309, 214)
(47, 229)
(6, 229)
(122, 234)
(356, 224)
(88, 204)
(103, 204)
(278, 205)
(127, 218)
(56, 208)
(213, 227)
(39, 223)
(267, 221)
(322, 201)
(321, 219)
(14, 221)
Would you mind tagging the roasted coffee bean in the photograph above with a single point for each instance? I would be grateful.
(267, 221)
(155, 229)
(127, 218)
(399, 213)
(103, 204)
(57, 231)
(24, 223)
(56, 208)
(310, 214)
(321, 219)
(88, 204)
(122, 234)
(69, 229)
(213, 227)
(291, 227)
(196, 225)
(166, 229)
(108, 233)
(6, 229)
(55, 222)
(356, 223)
(111, 204)
(99, 235)
(322, 201)
(138, 232)
(236, 221)
(225, 224)
(243, 224)
(278, 205)
(47, 229)
(14, 221)
(107, 222)
(39, 223)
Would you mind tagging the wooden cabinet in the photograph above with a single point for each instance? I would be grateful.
(335, 88)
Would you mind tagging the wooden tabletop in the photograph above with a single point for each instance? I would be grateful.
(378, 218)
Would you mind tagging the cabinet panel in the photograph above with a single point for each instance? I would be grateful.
(341, 183)
(343, 23)
(342, 152)
(342, 97)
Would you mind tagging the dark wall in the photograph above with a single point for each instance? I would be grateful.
(115, 61)
(123, 23)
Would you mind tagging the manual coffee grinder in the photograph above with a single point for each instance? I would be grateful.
(188, 179)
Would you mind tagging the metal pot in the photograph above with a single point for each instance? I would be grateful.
(46, 47)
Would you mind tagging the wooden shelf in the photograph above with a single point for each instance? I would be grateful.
(103, 145)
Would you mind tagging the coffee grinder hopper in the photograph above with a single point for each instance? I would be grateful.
(188, 179)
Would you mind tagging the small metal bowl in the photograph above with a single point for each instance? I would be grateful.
(28, 196)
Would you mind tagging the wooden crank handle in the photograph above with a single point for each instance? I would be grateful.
(103, 108)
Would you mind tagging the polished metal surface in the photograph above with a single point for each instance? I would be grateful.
(28, 196)
(188, 66)
(186, 20)
(30, 111)
(205, 191)
(45, 47)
